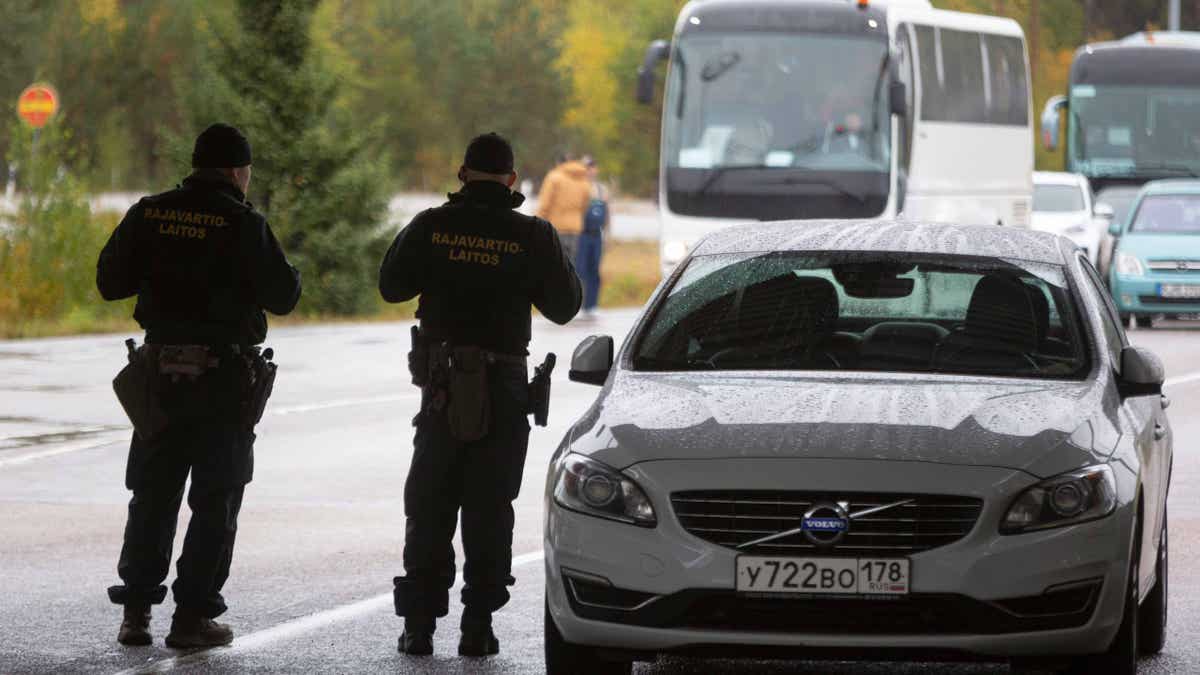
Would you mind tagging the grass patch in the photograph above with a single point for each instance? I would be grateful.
(629, 273)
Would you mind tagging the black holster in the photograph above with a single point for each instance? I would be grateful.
(261, 384)
(137, 389)
(539, 390)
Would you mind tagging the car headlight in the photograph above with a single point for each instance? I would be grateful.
(673, 252)
(596, 489)
(1066, 499)
(1129, 265)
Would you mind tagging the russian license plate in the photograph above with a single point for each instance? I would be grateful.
(1179, 290)
(832, 576)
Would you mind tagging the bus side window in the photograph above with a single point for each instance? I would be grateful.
(905, 67)
(1006, 74)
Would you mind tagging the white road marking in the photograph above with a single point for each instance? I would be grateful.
(293, 628)
(342, 403)
(96, 442)
(1182, 379)
(78, 446)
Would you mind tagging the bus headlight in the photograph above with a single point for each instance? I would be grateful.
(673, 252)
(1128, 265)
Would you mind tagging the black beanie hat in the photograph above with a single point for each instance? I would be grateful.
(221, 146)
(489, 153)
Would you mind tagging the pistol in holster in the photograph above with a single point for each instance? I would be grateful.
(261, 383)
(138, 389)
(539, 390)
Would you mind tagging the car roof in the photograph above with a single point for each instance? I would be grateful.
(986, 241)
(1172, 186)
(1056, 178)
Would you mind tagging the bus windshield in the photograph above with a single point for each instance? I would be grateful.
(1142, 131)
(778, 125)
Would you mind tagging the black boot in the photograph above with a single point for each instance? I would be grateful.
(477, 637)
(417, 638)
(135, 627)
(191, 630)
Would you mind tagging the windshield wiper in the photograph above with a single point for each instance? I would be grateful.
(1163, 166)
(718, 172)
(831, 184)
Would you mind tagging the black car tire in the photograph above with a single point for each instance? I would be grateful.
(1153, 619)
(564, 658)
(1125, 320)
(1144, 321)
(1121, 657)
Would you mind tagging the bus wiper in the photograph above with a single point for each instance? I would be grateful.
(1163, 166)
(718, 172)
(831, 184)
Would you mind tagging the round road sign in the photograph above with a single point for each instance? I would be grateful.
(37, 104)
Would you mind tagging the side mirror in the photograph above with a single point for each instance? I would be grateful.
(1114, 228)
(1142, 373)
(656, 51)
(1050, 121)
(1105, 211)
(898, 98)
(592, 360)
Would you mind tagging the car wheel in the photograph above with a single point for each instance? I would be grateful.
(1125, 320)
(1153, 619)
(1122, 655)
(1144, 321)
(564, 658)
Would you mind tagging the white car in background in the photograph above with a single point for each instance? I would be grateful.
(1062, 204)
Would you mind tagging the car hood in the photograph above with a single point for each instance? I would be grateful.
(1172, 246)
(1057, 222)
(1040, 427)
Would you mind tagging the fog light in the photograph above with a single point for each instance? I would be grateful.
(1126, 299)
(598, 490)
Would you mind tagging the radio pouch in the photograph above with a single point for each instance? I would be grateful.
(470, 408)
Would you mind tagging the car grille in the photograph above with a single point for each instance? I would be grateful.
(1174, 265)
(731, 518)
(1156, 300)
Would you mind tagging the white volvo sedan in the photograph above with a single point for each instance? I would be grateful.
(865, 440)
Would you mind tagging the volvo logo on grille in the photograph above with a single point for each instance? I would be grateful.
(825, 524)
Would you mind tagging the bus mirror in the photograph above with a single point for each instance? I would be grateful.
(655, 52)
(1050, 121)
(898, 98)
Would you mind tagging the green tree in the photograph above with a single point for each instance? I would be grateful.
(313, 176)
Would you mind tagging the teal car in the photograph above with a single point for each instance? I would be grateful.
(1156, 266)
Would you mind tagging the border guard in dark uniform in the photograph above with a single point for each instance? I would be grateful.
(203, 265)
(478, 267)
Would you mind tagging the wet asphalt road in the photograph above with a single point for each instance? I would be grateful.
(321, 530)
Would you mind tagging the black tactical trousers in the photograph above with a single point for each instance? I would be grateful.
(206, 439)
(481, 479)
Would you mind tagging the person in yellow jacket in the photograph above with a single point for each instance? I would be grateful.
(565, 194)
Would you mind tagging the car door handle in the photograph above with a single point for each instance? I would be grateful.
(1166, 402)
(1159, 432)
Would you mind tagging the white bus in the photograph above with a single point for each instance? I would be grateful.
(806, 109)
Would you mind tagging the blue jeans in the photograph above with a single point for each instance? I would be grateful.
(587, 265)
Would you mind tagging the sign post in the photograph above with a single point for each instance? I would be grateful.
(36, 105)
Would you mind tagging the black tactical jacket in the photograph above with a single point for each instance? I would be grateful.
(203, 263)
(478, 266)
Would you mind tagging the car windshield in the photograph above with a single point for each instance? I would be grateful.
(868, 312)
(1168, 214)
(1057, 198)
